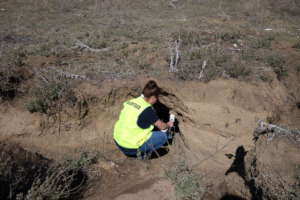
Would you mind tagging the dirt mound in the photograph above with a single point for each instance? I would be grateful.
(269, 170)
(272, 167)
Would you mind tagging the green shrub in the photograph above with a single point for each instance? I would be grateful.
(37, 105)
(265, 78)
(46, 98)
(238, 70)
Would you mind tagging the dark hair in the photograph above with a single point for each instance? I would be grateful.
(151, 89)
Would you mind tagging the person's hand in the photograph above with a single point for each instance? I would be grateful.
(170, 124)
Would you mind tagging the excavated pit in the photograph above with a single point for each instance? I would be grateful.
(213, 119)
(23, 172)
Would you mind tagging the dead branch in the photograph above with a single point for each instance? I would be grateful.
(201, 75)
(57, 184)
(273, 130)
(51, 74)
(174, 55)
(172, 3)
(81, 46)
(70, 75)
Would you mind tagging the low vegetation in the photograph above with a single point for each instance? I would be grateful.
(296, 187)
(188, 185)
(296, 45)
(277, 63)
(49, 98)
(10, 81)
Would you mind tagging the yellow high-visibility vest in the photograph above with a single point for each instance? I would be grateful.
(127, 133)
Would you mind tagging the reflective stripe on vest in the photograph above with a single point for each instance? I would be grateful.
(127, 133)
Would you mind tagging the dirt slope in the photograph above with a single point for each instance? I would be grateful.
(216, 118)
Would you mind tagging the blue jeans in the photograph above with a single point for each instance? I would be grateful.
(156, 141)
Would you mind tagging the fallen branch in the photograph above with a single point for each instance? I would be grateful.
(80, 45)
(49, 75)
(70, 75)
(273, 130)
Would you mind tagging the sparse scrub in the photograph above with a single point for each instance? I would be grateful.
(238, 70)
(296, 187)
(296, 45)
(62, 181)
(278, 65)
(298, 68)
(230, 36)
(30, 176)
(291, 7)
(263, 42)
(192, 38)
(85, 159)
(228, 54)
(59, 182)
(48, 98)
(9, 83)
(12, 73)
(196, 55)
(265, 78)
(188, 185)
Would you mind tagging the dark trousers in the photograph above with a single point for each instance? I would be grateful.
(156, 141)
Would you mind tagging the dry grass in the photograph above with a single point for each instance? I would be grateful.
(137, 36)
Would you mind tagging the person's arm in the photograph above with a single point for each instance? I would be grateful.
(163, 126)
